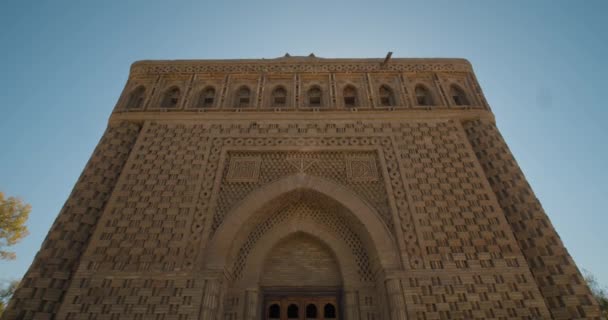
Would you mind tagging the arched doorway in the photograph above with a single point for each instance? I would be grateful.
(302, 249)
(302, 253)
(300, 242)
(271, 194)
(301, 307)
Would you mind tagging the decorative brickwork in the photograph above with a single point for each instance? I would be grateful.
(301, 259)
(310, 207)
(556, 275)
(492, 294)
(244, 169)
(383, 187)
(301, 65)
(331, 165)
(361, 169)
(148, 222)
(135, 297)
(298, 77)
(458, 220)
(42, 289)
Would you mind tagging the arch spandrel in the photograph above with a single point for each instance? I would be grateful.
(221, 245)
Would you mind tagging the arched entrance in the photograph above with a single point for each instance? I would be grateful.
(223, 239)
(302, 241)
(307, 250)
(308, 307)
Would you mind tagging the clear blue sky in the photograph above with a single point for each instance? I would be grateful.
(541, 64)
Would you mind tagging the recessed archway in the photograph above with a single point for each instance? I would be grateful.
(221, 245)
(258, 260)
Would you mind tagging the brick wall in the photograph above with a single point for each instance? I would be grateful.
(470, 248)
(556, 274)
(301, 260)
(45, 283)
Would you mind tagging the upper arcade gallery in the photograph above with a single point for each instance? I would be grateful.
(314, 91)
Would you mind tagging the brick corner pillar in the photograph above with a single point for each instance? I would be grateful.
(42, 289)
(556, 275)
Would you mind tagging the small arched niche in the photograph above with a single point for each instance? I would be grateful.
(459, 97)
(423, 96)
(279, 97)
(311, 311)
(206, 98)
(350, 97)
(329, 311)
(136, 98)
(293, 311)
(387, 98)
(171, 98)
(243, 97)
(314, 97)
(274, 311)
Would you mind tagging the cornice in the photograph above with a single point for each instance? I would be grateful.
(401, 115)
(300, 65)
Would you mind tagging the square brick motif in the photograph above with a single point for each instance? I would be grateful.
(361, 169)
(244, 169)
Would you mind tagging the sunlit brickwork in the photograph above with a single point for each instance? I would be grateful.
(302, 187)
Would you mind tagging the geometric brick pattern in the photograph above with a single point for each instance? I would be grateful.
(147, 224)
(244, 170)
(558, 278)
(303, 260)
(135, 298)
(323, 214)
(152, 67)
(277, 164)
(41, 290)
(457, 216)
(361, 169)
(458, 233)
(492, 295)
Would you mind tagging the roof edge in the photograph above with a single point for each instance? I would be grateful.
(301, 59)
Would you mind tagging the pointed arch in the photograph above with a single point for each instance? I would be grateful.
(136, 98)
(315, 96)
(171, 98)
(243, 97)
(423, 95)
(274, 311)
(329, 311)
(350, 97)
(459, 97)
(221, 244)
(342, 254)
(311, 311)
(206, 98)
(279, 97)
(293, 311)
(387, 97)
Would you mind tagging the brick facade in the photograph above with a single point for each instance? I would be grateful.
(221, 184)
(303, 260)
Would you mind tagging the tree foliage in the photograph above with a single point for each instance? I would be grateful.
(6, 294)
(600, 293)
(13, 215)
